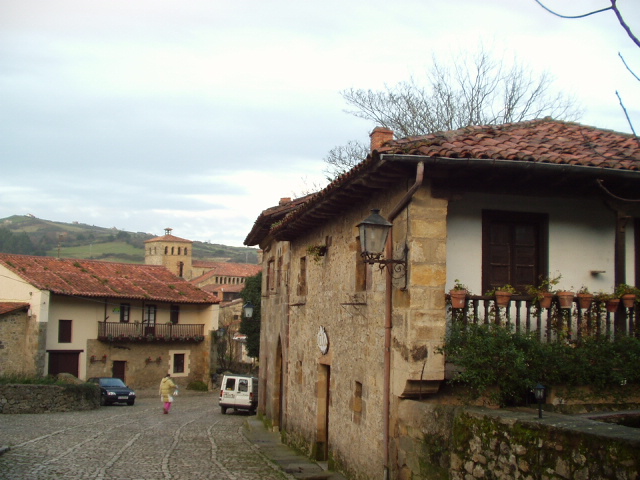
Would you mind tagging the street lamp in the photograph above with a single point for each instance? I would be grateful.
(538, 392)
(247, 310)
(374, 232)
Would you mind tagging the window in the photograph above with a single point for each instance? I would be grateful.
(150, 312)
(515, 249)
(357, 403)
(125, 312)
(174, 313)
(231, 384)
(302, 277)
(361, 269)
(178, 363)
(64, 331)
(271, 281)
(243, 385)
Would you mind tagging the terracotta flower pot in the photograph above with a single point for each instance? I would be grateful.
(628, 300)
(458, 298)
(565, 299)
(503, 298)
(585, 300)
(612, 304)
(545, 301)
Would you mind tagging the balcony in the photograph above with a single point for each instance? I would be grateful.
(525, 316)
(142, 333)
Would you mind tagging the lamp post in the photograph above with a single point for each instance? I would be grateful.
(538, 392)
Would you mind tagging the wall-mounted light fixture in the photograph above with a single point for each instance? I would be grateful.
(247, 310)
(374, 231)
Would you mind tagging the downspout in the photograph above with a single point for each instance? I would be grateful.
(387, 317)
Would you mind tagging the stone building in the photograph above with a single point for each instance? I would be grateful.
(135, 322)
(176, 254)
(344, 341)
(21, 346)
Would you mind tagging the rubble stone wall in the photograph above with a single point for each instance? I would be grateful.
(47, 398)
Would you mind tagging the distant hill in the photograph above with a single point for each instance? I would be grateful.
(79, 240)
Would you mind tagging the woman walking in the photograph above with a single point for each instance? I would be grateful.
(167, 387)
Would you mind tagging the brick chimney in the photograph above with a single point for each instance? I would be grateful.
(379, 137)
(284, 201)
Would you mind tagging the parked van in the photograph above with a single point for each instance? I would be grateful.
(239, 392)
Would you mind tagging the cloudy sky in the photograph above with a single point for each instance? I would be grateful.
(199, 114)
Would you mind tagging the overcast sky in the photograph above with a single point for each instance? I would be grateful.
(199, 114)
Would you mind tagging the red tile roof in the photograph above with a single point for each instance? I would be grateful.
(227, 269)
(168, 238)
(91, 278)
(492, 156)
(8, 307)
(539, 141)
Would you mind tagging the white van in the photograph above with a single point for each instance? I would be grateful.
(239, 392)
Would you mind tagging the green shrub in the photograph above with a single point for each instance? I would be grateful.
(198, 386)
(490, 357)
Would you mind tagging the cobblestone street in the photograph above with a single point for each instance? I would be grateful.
(195, 441)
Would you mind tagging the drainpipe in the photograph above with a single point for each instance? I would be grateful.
(387, 317)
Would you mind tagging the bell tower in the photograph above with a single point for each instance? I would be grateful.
(173, 252)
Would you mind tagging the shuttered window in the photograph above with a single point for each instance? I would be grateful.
(64, 331)
(514, 249)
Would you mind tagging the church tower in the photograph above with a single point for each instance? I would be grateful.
(172, 252)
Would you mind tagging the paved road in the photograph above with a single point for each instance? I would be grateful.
(195, 441)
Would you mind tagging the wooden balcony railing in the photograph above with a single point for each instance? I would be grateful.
(524, 315)
(140, 332)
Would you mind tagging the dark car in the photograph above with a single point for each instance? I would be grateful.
(113, 390)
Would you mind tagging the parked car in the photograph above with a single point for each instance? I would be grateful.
(239, 392)
(113, 390)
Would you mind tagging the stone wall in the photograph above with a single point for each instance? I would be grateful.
(47, 398)
(448, 442)
(19, 339)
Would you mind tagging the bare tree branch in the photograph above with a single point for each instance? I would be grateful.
(613, 8)
(626, 115)
(627, 67)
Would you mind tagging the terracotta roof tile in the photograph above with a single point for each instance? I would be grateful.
(91, 278)
(168, 238)
(8, 307)
(543, 141)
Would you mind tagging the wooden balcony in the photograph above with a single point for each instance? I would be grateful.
(549, 324)
(139, 332)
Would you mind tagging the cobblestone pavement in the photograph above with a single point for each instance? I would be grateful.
(195, 441)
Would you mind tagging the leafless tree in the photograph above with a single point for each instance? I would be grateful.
(476, 90)
(625, 26)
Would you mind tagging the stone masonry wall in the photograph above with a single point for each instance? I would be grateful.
(447, 442)
(47, 398)
(18, 344)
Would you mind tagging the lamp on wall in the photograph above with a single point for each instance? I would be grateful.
(247, 310)
(374, 232)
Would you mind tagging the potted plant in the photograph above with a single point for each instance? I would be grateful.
(543, 293)
(610, 300)
(585, 298)
(627, 294)
(458, 294)
(503, 295)
(565, 298)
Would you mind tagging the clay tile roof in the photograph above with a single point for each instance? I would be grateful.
(273, 215)
(533, 141)
(587, 151)
(8, 307)
(228, 269)
(168, 238)
(91, 278)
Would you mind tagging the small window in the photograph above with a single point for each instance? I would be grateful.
(357, 403)
(125, 312)
(302, 277)
(231, 384)
(186, 250)
(64, 331)
(178, 363)
(243, 386)
(174, 313)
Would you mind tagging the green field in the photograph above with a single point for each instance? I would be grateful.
(109, 251)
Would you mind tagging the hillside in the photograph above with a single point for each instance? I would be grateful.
(80, 240)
